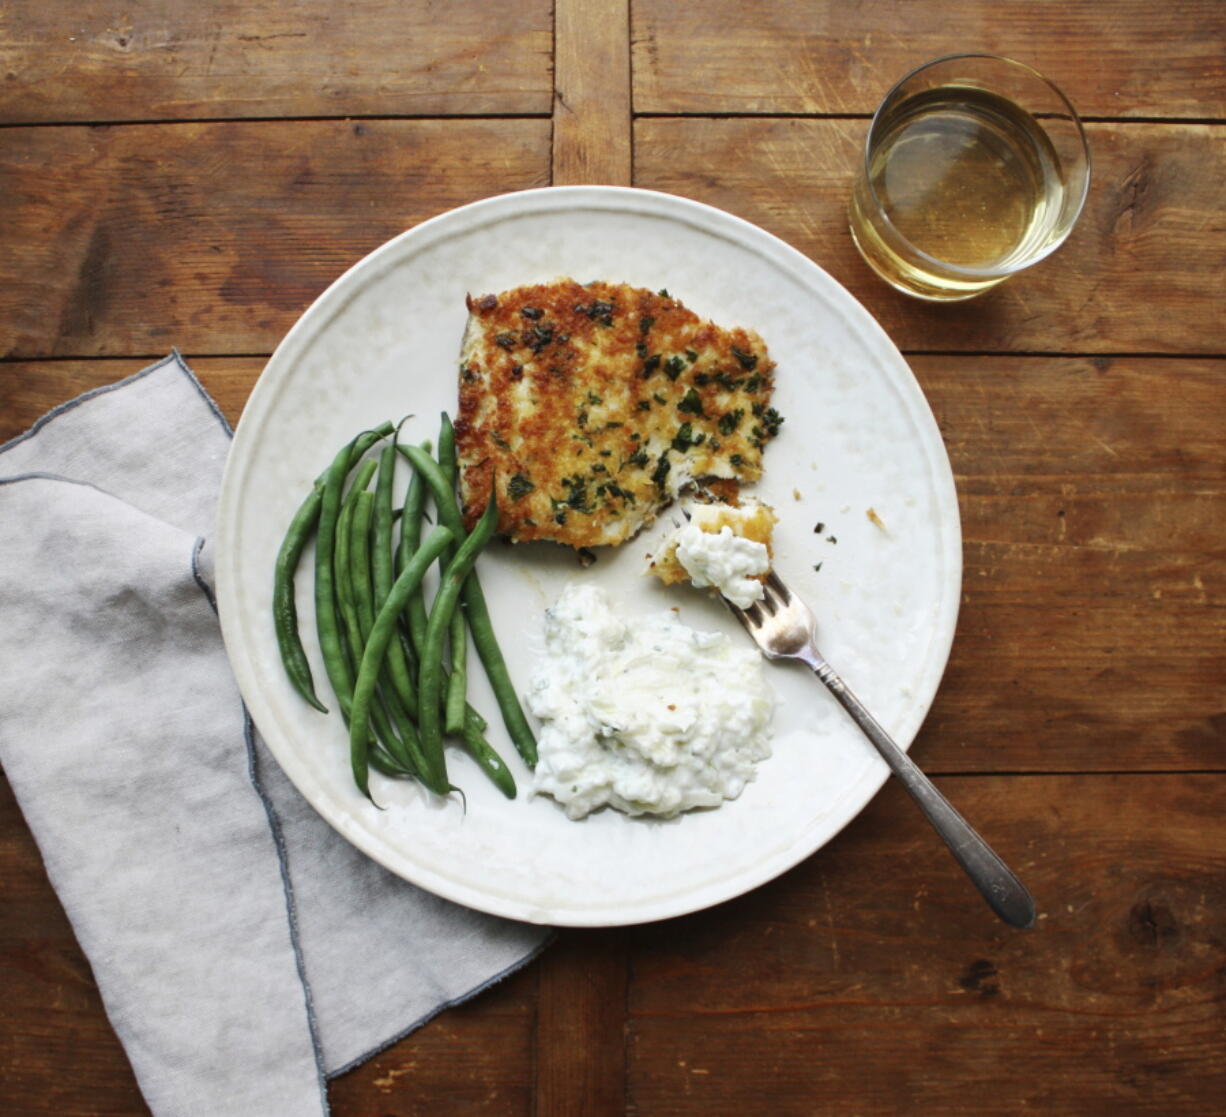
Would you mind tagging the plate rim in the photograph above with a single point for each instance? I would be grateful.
(708, 219)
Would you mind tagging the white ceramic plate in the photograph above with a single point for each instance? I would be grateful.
(383, 341)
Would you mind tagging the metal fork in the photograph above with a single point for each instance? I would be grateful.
(783, 628)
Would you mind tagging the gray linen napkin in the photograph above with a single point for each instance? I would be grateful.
(244, 951)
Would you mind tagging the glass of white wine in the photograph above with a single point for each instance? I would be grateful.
(975, 167)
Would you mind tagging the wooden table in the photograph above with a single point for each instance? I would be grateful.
(192, 174)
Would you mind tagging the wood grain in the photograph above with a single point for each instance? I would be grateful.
(580, 1063)
(1092, 632)
(1129, 58)
(177, 59)
(473, 1060)
(870, 980)
(1153, 223)
(215, 237)
(591, 113)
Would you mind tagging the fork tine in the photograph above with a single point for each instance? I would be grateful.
(775, 595)
(740, 615)
(774, 582)
(751, 616)
(751, 619)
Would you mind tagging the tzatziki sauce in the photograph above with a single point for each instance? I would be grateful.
(725, 561)
(644, 714)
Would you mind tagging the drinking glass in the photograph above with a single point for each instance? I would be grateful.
(975, 167)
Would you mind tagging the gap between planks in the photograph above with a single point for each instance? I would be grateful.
(1030, 354)
(325, 118)
(580, 1048)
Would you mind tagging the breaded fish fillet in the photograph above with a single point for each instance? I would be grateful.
(592, 406)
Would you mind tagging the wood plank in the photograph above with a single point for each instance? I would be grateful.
(215, 237)
(177, 59)
(1125, 424)
(591, 111)
(242, 224)
(872, 980)
(1045, 687)
(581, 1013)
(1092, 632)
(1141, 272)
(826, 56)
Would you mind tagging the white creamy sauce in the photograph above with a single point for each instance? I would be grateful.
(643, 713)
(723, 560)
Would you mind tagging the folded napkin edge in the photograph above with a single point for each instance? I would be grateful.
(173, 357)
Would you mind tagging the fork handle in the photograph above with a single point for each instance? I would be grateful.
(1006, 895)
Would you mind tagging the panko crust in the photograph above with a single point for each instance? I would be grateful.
(591, 406)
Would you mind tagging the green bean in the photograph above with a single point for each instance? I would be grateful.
(455, 705)
(359, 561)
(381, 634)
(404, 742)
(410, 658)
(446, 448)
(333, 599)
(346, 593)
(410, 537)
(457, 684)
(410, 540)
(328, 625)
(489, 761)
(346, 598)
(430, 675)
(344, 584)
(412, 512)
(382, 761)
(400, 670)
(361, 480)
(367, 439)
(344, 605)
(284, 607)
(399, 701)
(482, 724)
(381, 546)
(401, 677)
(478, 614)
(392, 724)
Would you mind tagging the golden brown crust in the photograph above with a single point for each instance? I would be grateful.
(594, 404)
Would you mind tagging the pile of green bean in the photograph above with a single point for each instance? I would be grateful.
(398, 668)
